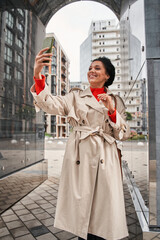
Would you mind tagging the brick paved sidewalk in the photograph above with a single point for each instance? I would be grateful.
(33, 216)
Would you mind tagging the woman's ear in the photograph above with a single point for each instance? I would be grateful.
(107, 76)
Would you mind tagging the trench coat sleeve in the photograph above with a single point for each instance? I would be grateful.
(121, 129)
(57, 105)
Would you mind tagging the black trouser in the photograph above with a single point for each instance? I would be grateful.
(91, 237)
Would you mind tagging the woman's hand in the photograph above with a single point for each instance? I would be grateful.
(107, 101)
(39, 64)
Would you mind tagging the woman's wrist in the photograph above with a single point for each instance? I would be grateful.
(37, 76)
(111, 111)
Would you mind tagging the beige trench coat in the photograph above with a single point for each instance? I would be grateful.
(90, 197)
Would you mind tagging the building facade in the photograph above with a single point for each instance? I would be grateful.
(57, 77)
(104, 40)
(21, 129)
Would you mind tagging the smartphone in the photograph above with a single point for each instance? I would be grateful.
(48, 42)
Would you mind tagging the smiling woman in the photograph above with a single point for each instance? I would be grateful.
(90, 198)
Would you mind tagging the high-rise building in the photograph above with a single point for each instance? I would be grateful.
(57, 77)
(104, 40)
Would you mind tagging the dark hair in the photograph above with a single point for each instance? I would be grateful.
(110, 69)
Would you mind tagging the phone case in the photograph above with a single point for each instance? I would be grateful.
(48, 42)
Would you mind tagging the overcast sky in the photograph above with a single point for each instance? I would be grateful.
(71, 24)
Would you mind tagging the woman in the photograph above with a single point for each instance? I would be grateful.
(90, 198)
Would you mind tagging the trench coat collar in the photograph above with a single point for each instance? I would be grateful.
(91, 101)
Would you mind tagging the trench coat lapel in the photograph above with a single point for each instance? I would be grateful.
(91, 101)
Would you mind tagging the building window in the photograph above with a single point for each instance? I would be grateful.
(118, 57)
(118, 93)
(19, 59)
(9, 19)
(103, 43)
(104, 28)
(118, 86)
(99, 36)
(138, 124)
(20, 11)
(118, 78)
(19, 43)
(103, 50)
(100, 50)
(19, 76)
(9, 37)
(93, 24)
(99, 43)
(136, 85)
(137, 109)
(8, 54)
(117, 42)
(8, 72)
(20, 27)
(103, 36)
(118, 71)
(117, 63)
(109, 23)
(137, 94)
(117, 49)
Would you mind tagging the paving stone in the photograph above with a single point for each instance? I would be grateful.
(51, 210)
(39, 230)
(8, 212)
(41, 216)
(54, 230)
(10, 218)
(47, 236)
(14, 224)
(22, 212)
(8, 237)
(48, 222)
(19, 231)
(18, 207)
(37, 210)
(4, 231)
(32, 206)
(2, 224)
(32, 223)
(41, 202)
(63, 235)
(26, 237)
(27, 217)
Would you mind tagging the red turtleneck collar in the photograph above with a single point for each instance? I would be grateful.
(96, 91)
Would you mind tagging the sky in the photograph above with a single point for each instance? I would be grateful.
(71, 25)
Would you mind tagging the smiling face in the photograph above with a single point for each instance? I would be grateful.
(97, 75)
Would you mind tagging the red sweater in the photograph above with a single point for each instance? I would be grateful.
(40, 84)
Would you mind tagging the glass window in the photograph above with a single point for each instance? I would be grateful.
(103, 36)
(137, 94)
(8, 54)
(118, 71)
(8, 72)
(137, 109)
(138, 123)
(19, 43)
(117, 49)
(20, 27)
(136, 85)
(19, 76)
(118, 86)
(118, 93)
(20, 11)
(9, 37)
(19, 59)
(9, 19)
(99, 36)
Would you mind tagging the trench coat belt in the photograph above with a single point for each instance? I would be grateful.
(88, 131)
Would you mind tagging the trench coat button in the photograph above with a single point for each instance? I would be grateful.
(106, 120)
(77, 162)
(101, 161)
(83, 121)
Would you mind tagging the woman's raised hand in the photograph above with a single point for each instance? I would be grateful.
(107, 101)
(39, 62)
